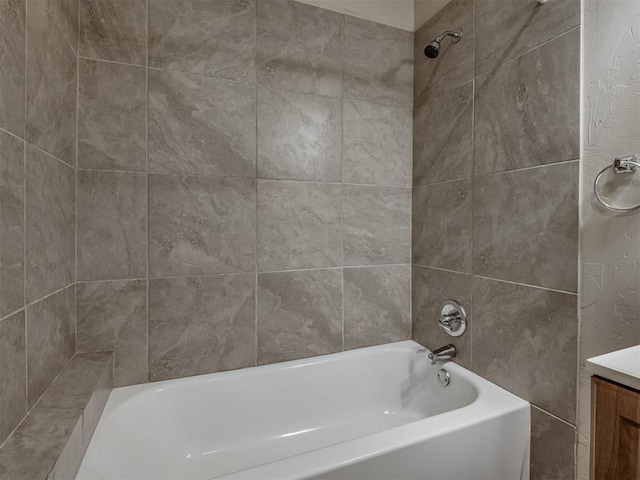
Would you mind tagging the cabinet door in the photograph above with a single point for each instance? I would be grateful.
(615, 431)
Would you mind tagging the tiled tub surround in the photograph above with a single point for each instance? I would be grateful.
(245, 166)
(37, 201)
(495, 203)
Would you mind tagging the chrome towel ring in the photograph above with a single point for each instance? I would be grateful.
(628, 164)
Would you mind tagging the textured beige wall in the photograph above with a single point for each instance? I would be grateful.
(610, 243)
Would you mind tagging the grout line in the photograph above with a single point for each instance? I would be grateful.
(527, 285)
(148, 296)
(552, 415)
(24, 214)
(50, 155)
(342, 196)
(532, 167)
(473, 174)
(255, 81)
(25, 108)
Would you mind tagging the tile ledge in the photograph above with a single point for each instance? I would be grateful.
(51, 440)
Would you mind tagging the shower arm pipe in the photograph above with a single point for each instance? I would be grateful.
(457, 35)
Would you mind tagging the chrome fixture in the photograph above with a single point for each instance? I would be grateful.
(433, 48)
(453, 318)
(444, 377)
(627, 164)
(441, 354)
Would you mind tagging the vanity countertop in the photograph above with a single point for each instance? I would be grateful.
(622, 366)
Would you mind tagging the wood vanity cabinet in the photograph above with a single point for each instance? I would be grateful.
(615, 431)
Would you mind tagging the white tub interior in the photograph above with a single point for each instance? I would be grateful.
(213, 425)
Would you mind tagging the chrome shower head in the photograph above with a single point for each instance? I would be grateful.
(433, 48)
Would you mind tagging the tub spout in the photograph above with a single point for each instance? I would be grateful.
(441, 354)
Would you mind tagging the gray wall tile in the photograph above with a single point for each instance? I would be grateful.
(442, 225)
(112, 225)
(455, 64)
(13, 381)
(200, 36)
(114, 30)
(50, 340)
(299, 225)
(201, 125)
(525, 340)
(527, 112)
(299, 314)
(377, 225)
(65, 13)
(526, 226)
(51, 86)
(443, 139)
(508, 28)
(12, 65)
(299, 47)
(430, 289)
(201, 225)
(68, 462)
(201, 324)
(376, 144)
(552, 447)
(50, 228)
(12, 228)
(113, 316)
(378, 63)
(377, 305)
(112, 119)
(299, 136)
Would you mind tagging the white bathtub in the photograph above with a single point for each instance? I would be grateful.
(373, 413)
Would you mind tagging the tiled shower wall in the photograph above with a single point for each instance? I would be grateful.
(495, 203)
(38, 84)
(244, 184)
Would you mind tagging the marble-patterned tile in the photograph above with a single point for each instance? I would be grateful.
(378, 63)
(31, 452)
(13, 380)
(443, 225)
(376, 144)
(75, 385)
(98, 400)
(509, 28)
(67, 463)
(114, 30)
(112, 225)
(299, 47)
(11, 224)
(201, 325)
(200, 36)
(455, 64)
(430, 289)
(552, 447)
(299, 314)
(50, 227)
(299, 136)
(65, 13)
(299, 225)
(201, 225)
(201, 125)
(525, 339)
(377, 225)
(51, 86)
(525, 226)
(12, 65)
(50, 340)
(377, 305)
(112, 316)
(527, 112)
(443, 136)
(112, 122)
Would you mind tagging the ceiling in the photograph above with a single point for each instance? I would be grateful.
(405, 14)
